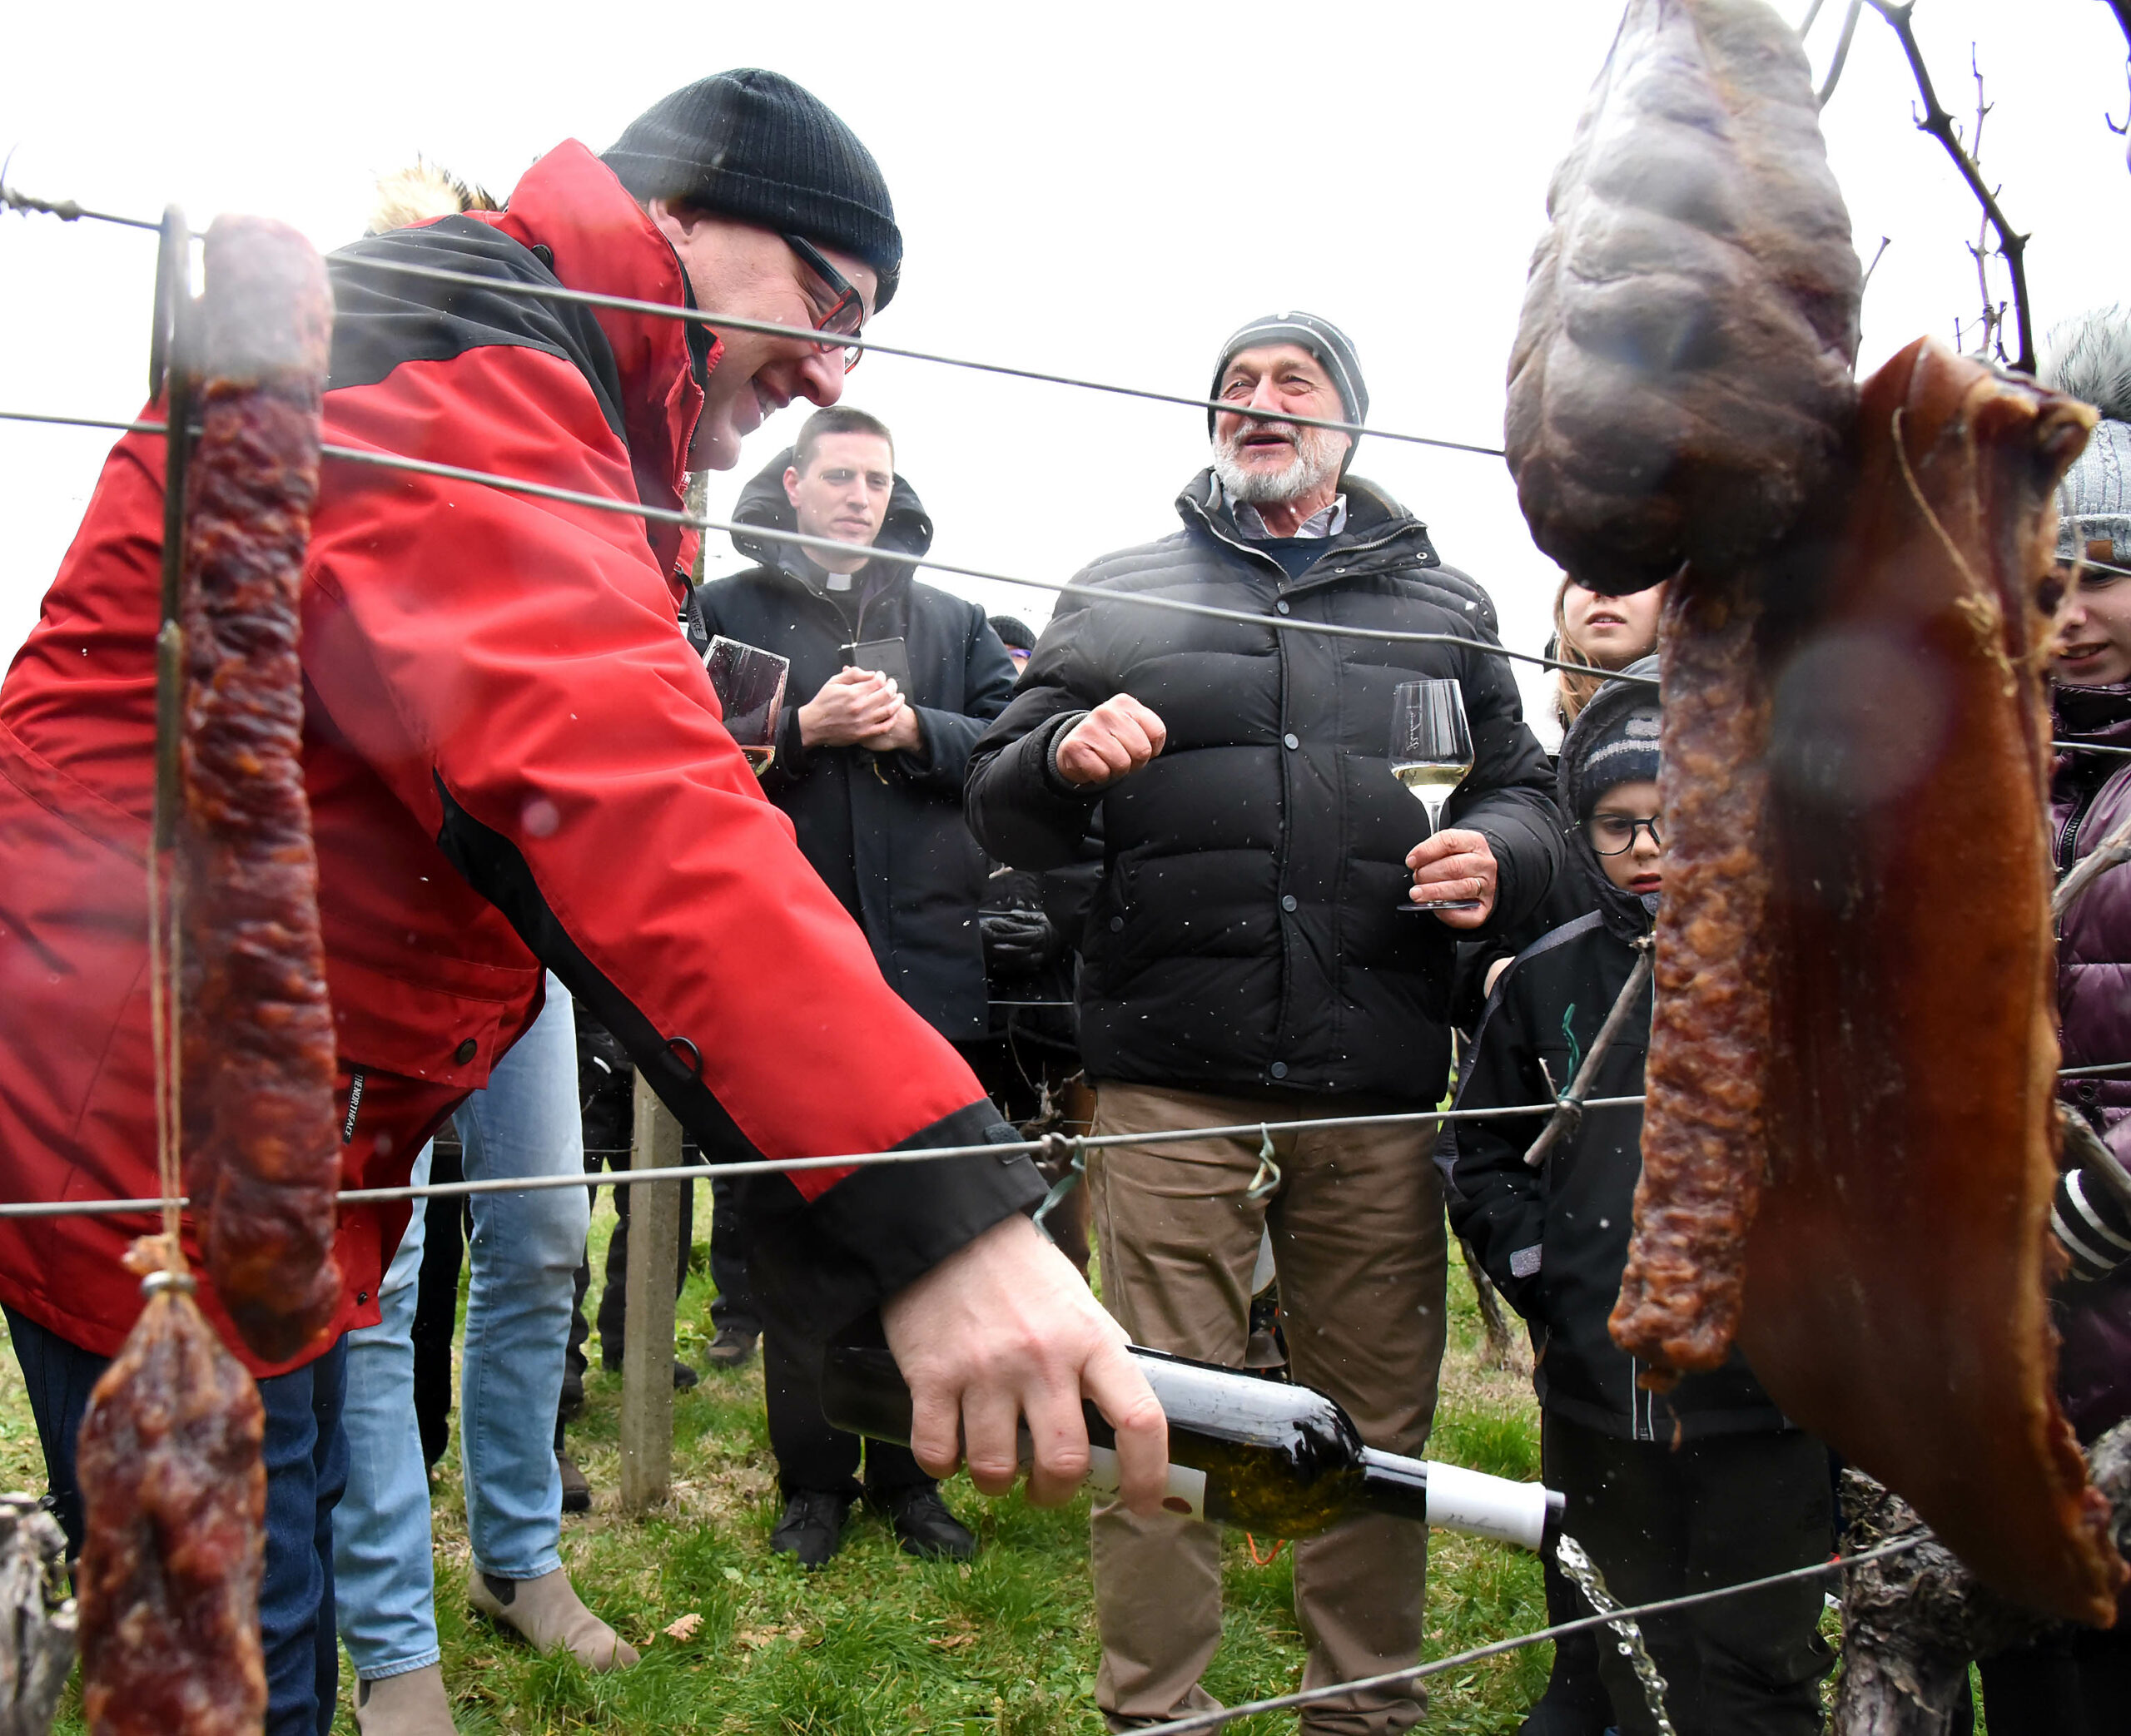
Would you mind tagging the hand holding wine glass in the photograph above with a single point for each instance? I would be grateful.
(749, 683)
(1431, 755)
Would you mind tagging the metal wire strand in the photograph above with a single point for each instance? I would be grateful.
(1401, 1678)
(779, 1166)
(68, 212)
(666, 515)
(1079, 1144)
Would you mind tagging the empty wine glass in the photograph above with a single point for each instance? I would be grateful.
(1431, 755)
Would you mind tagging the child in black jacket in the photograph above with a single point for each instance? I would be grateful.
(1704, 1486)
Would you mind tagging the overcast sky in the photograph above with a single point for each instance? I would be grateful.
(1103, 189)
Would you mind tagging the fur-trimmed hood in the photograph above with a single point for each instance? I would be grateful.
(421, 193)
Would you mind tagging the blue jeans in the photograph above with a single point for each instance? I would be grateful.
(525, 1250)
(306, 1456)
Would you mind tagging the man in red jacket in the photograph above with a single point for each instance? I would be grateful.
(513, 760)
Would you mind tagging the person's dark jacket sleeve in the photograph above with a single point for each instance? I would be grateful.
(1022, 811)
(1508, 798)
(1496, 1202)
(947, 738)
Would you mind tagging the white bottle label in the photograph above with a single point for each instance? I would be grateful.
(1483, 1507)
(1185, 1495)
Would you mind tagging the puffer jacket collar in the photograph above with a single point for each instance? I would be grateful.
(1380, 535)
(2101, 716)
(907, 529)
(569, 206)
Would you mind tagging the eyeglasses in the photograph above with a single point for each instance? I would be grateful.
(1613, 835)
(846, 311)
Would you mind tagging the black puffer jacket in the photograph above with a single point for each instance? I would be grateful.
(1555, 1239)
(1246, 933)
(884, 830)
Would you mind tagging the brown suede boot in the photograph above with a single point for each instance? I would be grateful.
(412, 1704)
(547, 1612)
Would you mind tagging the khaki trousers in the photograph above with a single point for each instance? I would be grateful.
(1358, 1235)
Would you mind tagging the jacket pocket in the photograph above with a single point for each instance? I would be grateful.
(442, 1035)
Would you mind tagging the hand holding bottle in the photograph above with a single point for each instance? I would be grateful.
(1263, 1455)
(1003, 1331)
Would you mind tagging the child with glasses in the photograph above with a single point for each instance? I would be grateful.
(1703, 1486)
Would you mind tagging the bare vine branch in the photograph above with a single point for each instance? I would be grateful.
(1940, 124)
(1886, 242)
(1813, 11)
(1992, 341)
(2121, 9)
(1842, 52)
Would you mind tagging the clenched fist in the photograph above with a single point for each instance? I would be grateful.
(1119, 736)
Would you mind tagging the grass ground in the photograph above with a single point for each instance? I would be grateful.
(738, 1642)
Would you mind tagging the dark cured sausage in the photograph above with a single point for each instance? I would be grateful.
(1706, 1122)
(174, 1497)
(263, 1151)
(1681, 383)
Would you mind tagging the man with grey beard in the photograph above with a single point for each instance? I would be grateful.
(1245, 962)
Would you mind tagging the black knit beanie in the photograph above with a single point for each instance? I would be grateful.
(1322, 339)
(1613, 740)
(755, 146)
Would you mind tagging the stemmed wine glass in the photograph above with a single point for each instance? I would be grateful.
(1431, 755)
(750, 684)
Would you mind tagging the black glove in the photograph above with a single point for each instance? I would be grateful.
(1016, 943)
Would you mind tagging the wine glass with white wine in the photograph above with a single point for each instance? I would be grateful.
(1431, 755)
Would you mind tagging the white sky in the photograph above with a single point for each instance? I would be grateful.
(1105, 190)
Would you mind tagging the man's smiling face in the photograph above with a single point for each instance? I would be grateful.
(736, 268)
(1262, 460)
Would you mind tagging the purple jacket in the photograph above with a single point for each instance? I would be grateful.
(2090, 796)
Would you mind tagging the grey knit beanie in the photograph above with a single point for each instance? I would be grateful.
(1321, 338)
(2093, 502)
(757, 146)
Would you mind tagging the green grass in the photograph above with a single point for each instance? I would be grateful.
(880, 1645)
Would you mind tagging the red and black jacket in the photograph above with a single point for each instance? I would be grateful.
(513, 760)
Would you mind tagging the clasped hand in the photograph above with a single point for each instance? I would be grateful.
(859, 708)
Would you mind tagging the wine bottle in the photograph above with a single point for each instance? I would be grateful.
(1261, 1455)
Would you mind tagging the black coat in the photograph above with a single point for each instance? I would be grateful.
(1555, 1239)
(884, 830)
(1245, 934)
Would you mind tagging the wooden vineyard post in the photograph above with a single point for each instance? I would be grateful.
(648, 1346)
